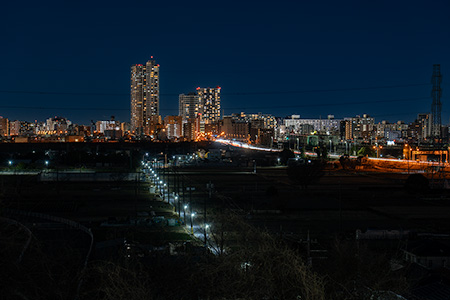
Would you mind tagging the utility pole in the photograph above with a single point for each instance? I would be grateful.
(183, 197)
(174, 191)
(178, 182)
(308, 250)
(192, 225)
(177, 191)
(136, 187)
(190, 189)
(166, 175)
(340, 207)
(210, 187)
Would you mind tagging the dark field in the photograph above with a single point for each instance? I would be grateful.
(339, 202)
(336, 205)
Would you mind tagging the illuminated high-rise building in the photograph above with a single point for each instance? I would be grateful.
(145, 97)
(210, 102)
(14, 128)
(189, 106)
(360, 127)
(4, 126)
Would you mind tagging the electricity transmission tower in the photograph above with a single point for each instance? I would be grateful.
(436, 105)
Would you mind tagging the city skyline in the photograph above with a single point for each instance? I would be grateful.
(292, 58)
(289, 110)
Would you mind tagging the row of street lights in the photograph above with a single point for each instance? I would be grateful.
(11, 163)
(159, 184)
(164, 190)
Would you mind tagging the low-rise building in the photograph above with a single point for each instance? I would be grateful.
(431, 254)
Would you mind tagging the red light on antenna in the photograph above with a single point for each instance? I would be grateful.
(157, 65)
(198, 88)
(219, 87)
(151, 56)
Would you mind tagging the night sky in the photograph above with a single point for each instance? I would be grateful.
(312, 58)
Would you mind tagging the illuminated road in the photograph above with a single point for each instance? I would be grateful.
(331, 155)
(245, 145)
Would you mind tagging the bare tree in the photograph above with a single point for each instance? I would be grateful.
(257, 265)
(108, 280)
(356, 272)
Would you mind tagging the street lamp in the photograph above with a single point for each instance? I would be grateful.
(164, 190)
(10, 162)
(192, 228)
(177, 203)
(378, 148)
(184, 213)
(204, 232)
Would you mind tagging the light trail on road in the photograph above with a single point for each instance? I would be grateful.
(245, 145)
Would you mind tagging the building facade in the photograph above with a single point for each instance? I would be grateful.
(15, 128)
(189, 106)
(174, 126)
(391, 132)
(424, 122)
(297, 126)
(56, 126)
(144, 98)
(4, 126)
(210, 104)
(360, 127)
(102, 126)
(234, 128)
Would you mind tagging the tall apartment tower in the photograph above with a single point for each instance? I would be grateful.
(210, 102)
(425, 126)
(189, 106)
(144, 97)
(4, 126)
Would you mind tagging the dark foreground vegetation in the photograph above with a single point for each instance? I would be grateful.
(242, 262)
(277, 232)
(253, 265)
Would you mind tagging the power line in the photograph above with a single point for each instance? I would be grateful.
(326, 90)
(394, 114)
(224, 94)
(126, 70)
(225, 108)
(61, 108)
(333, 104)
